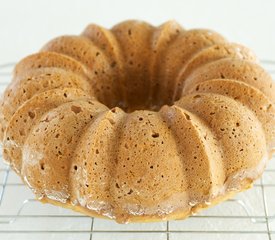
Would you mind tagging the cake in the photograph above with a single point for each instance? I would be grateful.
(139, 123)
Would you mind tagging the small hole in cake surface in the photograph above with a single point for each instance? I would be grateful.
(155, 135)
(130, 192)
(187, 116)
(76, 109)
(113, 64)
(31, 114)
(42, 166)
(22, 132)
(197, 96)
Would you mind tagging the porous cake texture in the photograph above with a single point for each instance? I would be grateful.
(139, 123)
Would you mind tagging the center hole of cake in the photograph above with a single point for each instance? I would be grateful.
(146, 105)
(130, 101)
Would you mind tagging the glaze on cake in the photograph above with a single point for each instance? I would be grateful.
(139, 123)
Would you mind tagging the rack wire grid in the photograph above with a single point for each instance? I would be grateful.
(250, 215)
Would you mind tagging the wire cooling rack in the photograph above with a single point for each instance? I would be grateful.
(251, 215)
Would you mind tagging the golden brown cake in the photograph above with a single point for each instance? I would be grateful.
(139, 123)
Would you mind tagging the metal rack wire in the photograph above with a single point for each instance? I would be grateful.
(250, 216)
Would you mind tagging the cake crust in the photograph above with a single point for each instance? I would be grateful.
(138, 123)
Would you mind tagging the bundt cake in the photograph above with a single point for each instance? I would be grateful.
(139, 123)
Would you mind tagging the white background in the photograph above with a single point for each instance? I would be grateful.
(26, 25)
